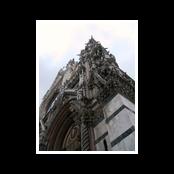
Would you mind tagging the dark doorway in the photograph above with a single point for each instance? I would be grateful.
(105, 145)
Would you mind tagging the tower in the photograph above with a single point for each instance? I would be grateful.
(89, 106)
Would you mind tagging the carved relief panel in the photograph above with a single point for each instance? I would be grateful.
(72, 139)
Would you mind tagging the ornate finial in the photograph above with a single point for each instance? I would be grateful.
(92, 39)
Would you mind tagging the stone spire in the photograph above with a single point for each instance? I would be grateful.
(92, 39)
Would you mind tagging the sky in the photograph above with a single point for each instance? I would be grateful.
(58, 41)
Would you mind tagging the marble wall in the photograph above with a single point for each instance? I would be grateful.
(117, 127)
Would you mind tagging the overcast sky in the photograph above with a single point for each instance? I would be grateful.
(58, 41)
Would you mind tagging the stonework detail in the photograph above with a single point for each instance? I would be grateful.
(74, 104)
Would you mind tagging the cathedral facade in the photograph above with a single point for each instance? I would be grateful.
(90, 106)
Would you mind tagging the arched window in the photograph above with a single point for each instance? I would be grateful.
(105, 145)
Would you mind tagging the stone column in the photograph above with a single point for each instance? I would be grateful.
(85, 142)
(87, 133)
(92, 139)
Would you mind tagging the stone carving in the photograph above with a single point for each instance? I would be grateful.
(72, 139)
(96, 77)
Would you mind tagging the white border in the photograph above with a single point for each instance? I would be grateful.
(37, 92)
(87, 152)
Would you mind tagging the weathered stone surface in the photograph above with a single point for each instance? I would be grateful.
(87, 94)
